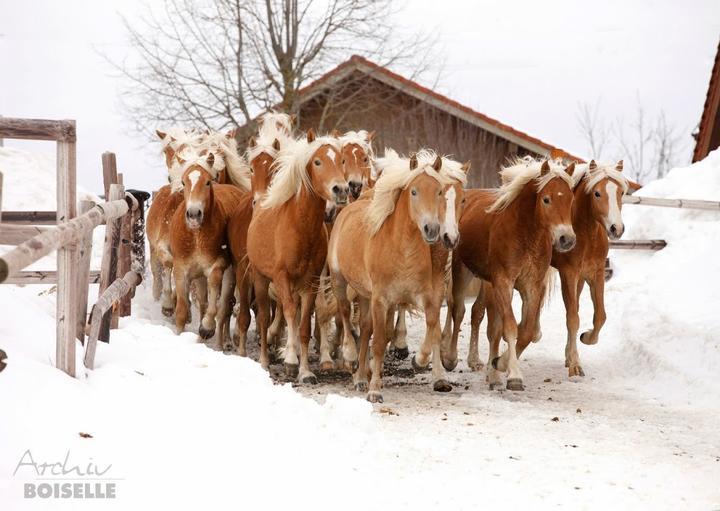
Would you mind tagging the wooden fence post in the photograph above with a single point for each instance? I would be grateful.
(1, 191)
(110, 177)
(108, 270)
(66, 256)
(85, 250)
(123, 306)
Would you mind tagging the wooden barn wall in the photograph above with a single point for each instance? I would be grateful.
(408, 124)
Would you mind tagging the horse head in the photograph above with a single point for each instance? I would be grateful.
(553, 206)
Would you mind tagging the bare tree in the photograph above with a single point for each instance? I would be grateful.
(667, 146)
(593, 129)
(634, 144)
(217, 63)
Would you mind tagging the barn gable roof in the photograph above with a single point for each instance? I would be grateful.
(452, 107)
(711, 113)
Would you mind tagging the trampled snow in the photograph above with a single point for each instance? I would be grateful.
(186, 427)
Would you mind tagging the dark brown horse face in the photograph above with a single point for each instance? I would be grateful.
(454, 204)
(606, 199)
(262, 173)
(554, 208)
(426, 206)
(356, 164)
(198, 194)
(326, 173)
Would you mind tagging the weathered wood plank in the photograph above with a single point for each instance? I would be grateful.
(30, 217)
(1, 188)
(672, 203)
(110, 176)
(67, 259)
(45, 277)
(108, 269)
(11, 234)
(38, 129)
(123, 308)
(638, 244)
(118, 289)
(83, 272)
(51, 239)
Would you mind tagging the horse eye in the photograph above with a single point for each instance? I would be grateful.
(318, 163)
(439, 193)
(366, 159)
(413, 191)
(343, 161)
(207, 183)
(597, 193)
(546, 200)
(463, 201)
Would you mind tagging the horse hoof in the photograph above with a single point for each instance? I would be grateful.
(350, 367)
(228, 348)
(442, 386)
(586, 339)
(361, 386)
(168, 312)
(515, 384)
(449, 365)
(309, 379)
(291, 370)
(402, 353)
(475, 366)
(206, 333)
(495, 386)
(418, 368)
(374, 396)
(576, 371)
(326, 366)
(495, 362)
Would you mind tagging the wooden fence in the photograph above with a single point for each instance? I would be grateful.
(71, 237)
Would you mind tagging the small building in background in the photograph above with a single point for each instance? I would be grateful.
(708, 135)
(359, 94)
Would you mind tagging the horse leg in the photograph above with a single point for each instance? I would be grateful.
(494, 334)
(157, 273)
(307, 304)
(225, 306)
(432, 342)
(476, 316)
(349, 348)
(242, 321)
(168, 297)
(287, 299)
(569, 286)
(182, 292)
(366, 330)
(214, 284)
(276, 328)
(323, 318)
(461, 277)
(400, 337)
(200, 293)
(503, 291)
(597, 293)
(379, 315)
(262, 300)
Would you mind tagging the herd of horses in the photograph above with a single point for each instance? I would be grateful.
(319, 226)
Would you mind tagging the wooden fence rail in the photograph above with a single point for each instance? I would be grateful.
(672, 203)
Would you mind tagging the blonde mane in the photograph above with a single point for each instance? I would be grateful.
(192, 159)
(604, 170)
(395, 177)
(227, 158)
(291, 174)
(268, 133)
(175, 137)
(518, 173)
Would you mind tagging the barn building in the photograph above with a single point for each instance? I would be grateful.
(708, 135)
(360, 94)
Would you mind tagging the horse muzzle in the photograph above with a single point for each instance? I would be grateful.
(193, 218)
(340, 194)
(450, 242)
(564, 242)
(355, 189)
(615, 231)
(431, 233)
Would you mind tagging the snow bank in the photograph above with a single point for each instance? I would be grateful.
(667, 301)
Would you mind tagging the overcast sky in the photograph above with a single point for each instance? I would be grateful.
(526, 63)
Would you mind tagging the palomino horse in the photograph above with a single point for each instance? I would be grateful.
(357, 159)
(382, 248)
(507, 238)
(198, 242)
(261, 154)
(287, 240)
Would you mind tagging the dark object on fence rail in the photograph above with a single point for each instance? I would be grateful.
(30, 217)
(638, 244)
(3, 358)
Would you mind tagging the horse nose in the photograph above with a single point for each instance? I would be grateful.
(431, 232)
(193, 215)
(340, 194)
(450, 243)
(566, 242)
(355, 189)
(616, 230)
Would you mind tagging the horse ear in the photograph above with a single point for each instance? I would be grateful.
(252, 142)
(335, 133)
(276, 144)
(310, 135)
(293, 118)
(180, 159)
(231, 134)
(592, 166)
(413, 162)
(210, 160)
(371, 136)
(619, 166)
(570, 169)
(465, 167)
(545, 168)
(161, 134)
(437, 164)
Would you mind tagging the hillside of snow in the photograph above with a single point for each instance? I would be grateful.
(187, 427)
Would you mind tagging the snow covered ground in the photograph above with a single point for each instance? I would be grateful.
(184, 426)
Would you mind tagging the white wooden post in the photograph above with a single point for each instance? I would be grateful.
(66, 256)
(85, 250)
